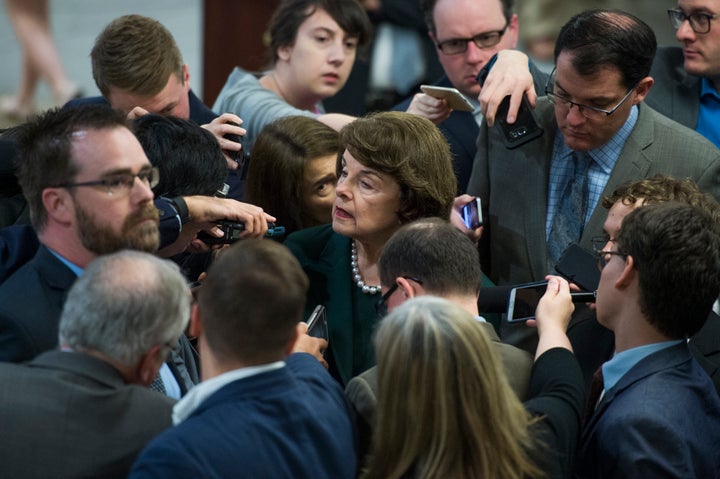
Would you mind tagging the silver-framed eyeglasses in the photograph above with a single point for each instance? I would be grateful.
(699, 22)
(456, 46)
(120, 183)
(589, 112)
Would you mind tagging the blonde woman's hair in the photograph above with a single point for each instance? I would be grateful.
(445, 408)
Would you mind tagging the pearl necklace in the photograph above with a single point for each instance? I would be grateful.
(356, 273)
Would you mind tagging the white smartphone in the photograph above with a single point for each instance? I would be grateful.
(523, 300)
(452, 96)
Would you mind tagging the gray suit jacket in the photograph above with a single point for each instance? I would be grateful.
(72, 415)
(675, 94)
(362, 389)
(513, 186)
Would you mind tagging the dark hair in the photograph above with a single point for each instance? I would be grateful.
(189, 157)
(661, 188)
(279, 156)
(136, 54)
(412, 151)
(44, 150)
(290, 14)
(251, 301)
(676, 251)
(435, 252)
(428, 7)
(602, 38)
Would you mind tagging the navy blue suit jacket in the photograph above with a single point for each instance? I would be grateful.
(662, 419)
(289, 422)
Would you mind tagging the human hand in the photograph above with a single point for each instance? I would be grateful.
(552, 316)
(510, 75)
(304, 343)
(456, 218)
(434, 109)
(206, 211)
(137, 112)
(223, 125)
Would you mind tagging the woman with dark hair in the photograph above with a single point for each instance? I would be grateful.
(392, 168)
(313, 45)
(293, 172)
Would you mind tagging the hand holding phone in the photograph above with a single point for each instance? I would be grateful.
(524, 299)
(317, 323)
(233, 230)
(452, 96)
(524, 129)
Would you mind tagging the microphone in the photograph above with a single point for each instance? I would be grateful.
(583, 296)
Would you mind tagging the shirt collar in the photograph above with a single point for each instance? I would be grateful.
(72, 266)
(197, 395)
(621, 363)
(707, 89)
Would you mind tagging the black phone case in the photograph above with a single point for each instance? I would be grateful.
(579, 266)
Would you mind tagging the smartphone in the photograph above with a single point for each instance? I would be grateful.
(524, 298)
(317, 323)
(471, 214)
(579, 266)
(233, 230)
(452, 96)
(524, 129)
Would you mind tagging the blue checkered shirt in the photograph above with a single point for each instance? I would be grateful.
(604, 159)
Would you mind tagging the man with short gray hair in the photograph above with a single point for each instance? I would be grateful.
(84, 410)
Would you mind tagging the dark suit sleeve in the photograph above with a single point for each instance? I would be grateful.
(558, 396)
(361, 391)
(15, 344)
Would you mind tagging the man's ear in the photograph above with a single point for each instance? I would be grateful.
(300, 328)
(195, 330)
(642, 89)
(149, 365)
(628, 275)
(186, 76)
(58, 204)
(409, 288)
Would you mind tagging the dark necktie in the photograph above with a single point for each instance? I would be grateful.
(569, 220)
(596, 389)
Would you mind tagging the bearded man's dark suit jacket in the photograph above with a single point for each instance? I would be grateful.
(513, 186)
(661, 419)
(31, 303)
(71, 415)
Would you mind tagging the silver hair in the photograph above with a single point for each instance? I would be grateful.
(125, 303)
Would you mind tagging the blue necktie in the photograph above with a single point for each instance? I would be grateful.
(569, 221)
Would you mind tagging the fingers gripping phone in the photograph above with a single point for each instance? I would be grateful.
(525, 127)
(452, 96)
(524, 299)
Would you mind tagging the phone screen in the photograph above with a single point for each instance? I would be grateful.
(317, 323)
(472, 214)
(524, 300)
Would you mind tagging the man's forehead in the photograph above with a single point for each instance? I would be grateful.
(476, 14)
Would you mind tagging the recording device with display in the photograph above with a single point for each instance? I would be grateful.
(524, 299)
(232, 232)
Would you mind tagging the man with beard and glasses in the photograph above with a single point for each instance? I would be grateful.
(88, 186)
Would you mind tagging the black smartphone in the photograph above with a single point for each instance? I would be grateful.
(524, 129)
(579, 266)
(471, 214)
(523, 300)
(233, 230)
(317, 323)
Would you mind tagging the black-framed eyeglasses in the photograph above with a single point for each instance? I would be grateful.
(120, 183)
(699, 22)
(589, 112)
(381, 305)
(605, 255)
(599, 242)
(456, 46)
